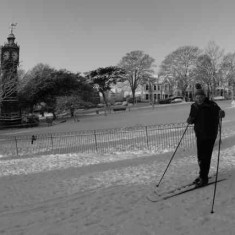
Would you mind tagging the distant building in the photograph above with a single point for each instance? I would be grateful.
(161, 89)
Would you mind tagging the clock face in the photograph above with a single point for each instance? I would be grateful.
(6, 55)
(14, 55)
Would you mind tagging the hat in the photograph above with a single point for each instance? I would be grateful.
(199, 92)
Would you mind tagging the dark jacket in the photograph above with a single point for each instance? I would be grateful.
(205, 118)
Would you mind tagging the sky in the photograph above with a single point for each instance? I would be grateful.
(82, 35)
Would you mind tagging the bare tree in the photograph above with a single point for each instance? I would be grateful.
(227, 72)
(216, 57)
(138, 69)
(178, 66)
(203, 72)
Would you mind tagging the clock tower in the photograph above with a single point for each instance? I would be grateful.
(10, 112)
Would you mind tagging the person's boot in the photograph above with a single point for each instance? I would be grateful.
(196, 180)
(202, 182)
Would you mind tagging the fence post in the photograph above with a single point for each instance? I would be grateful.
(96, 146)
(147, 139)
(17, 153)
(51, 142)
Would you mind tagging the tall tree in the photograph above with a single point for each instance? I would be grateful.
(39, 87)
(138, 68)
(103, 78)
(177, 67)
(227, 72)
(45, 84)
(216, 55)
(203, 72)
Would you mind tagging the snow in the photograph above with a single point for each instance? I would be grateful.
(105, 194)
(233, 103)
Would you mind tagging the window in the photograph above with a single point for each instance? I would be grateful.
(155, 96)
(147, 87)
(158, 88)
(147, 96)
(154, 87)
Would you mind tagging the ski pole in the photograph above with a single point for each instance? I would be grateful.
(217, 169)
(173, 155)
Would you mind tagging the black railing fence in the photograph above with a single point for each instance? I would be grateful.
(154, 137)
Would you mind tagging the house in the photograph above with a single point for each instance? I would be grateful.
(161, 89)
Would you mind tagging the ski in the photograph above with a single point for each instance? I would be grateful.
(181, 187)
(156, 196)
(178, 188)
(191, 189)
(176, 192)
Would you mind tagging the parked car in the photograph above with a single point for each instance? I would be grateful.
(218, 98)
(137, 99)
(177, 99)
(100, 105)
(118, 103)
(125, 103)
(165, 101)
(119, 108)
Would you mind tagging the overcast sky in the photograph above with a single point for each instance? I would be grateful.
(81, 35)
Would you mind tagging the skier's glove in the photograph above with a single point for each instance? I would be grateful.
(221, 114)
(190, 120)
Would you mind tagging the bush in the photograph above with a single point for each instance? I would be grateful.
(119, 108)
(85, 105)
(30, 120)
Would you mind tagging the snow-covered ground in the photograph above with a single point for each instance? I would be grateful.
(106, 194)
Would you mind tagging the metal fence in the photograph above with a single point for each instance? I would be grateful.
(154, 137)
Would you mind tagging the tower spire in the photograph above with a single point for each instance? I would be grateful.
(12, 26)
(11, 36)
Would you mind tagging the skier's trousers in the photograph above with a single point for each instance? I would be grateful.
(204, 153)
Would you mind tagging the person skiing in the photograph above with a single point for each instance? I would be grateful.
(205, 114)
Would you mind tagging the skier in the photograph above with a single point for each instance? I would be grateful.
(205, 115)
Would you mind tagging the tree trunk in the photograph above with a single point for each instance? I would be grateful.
(54, 115)
(106, 103)
(133, 95)
(208, 90)
(104, 98)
